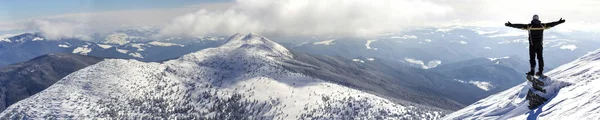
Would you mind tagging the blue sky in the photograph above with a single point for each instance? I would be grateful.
(11, 10)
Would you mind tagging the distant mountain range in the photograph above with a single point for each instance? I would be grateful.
(421, 47)
(29, 45)
(242, 79)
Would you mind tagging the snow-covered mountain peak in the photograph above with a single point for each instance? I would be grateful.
(256, 44)
(23, 37)
(117, 38)
(572, 93)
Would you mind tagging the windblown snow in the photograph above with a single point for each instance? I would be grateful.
(242, 79)
(572, 90)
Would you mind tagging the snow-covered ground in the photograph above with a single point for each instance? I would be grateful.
(368, 45)
(164, 44)
(421, 64)
(122, 51)
(117, 38)
(4, 37)
(136, 54)
(404, 37)
(103, 46)
(494, 59)
(240, 79)
(63, 46)
(325, 42)
(84, 50)
(573, 93)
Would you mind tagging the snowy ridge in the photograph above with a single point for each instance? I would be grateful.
(572, 91)
(4, 37)
(117, 38)
(241, 79)
(5, 40)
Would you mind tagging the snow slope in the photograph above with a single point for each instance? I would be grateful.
(573, 92)
(241, 79)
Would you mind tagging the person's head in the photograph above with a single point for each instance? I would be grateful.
(536, 17)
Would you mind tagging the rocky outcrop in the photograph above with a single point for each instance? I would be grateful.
(535, 100)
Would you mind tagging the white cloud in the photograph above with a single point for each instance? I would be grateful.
(372, 17)
(59, 29)
(82, 24)
(309, 17)
(329, 18)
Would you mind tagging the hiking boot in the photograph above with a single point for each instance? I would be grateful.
(530, 73)
(540, 75)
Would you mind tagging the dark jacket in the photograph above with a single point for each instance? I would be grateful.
(536, 31)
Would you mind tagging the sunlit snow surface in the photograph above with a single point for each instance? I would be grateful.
(241, 79)
(573, 93)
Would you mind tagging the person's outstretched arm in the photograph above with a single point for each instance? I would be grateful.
(518, 26)
(552, 24)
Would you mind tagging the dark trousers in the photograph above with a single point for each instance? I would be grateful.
(533, 52)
